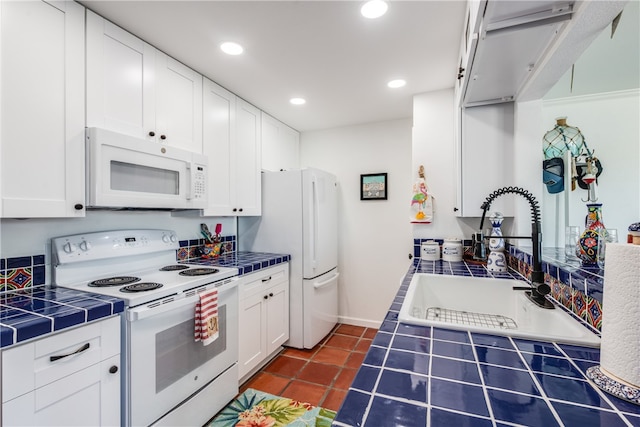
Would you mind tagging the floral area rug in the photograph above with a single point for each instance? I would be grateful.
(255, 408)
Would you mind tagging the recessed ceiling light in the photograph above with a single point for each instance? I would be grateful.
(374, 9)
(396, 83)
(231, 48)
(298, 101)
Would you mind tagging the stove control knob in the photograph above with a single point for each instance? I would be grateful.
(85, 246)
(69, 248)
(173, 238)
(165, 238)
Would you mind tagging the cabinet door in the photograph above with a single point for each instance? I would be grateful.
(219, 110)
(86, 397)
(120, 80)
(178, 104)
(486, 158)
(277, 322)
(42, 105)
(248, 157)
(252, 343)
(280, 145)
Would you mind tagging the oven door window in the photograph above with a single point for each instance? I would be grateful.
(177, 353)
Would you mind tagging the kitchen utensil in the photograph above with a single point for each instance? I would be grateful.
(205, 230)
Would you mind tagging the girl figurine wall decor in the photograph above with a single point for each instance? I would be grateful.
(422, 200)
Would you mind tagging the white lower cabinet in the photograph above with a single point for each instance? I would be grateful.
(264, 316)
(68, 379)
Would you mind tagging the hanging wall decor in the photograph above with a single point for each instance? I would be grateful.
(373, 186)
(422, 200)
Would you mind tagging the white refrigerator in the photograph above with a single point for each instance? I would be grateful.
(300, 218)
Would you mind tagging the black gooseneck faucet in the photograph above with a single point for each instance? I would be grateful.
(539, 289)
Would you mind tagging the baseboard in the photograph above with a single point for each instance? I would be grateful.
(359, 322)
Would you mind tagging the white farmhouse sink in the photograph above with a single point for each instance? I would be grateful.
(489, 306)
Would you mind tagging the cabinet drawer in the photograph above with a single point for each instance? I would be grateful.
(256, 282)
(35, 364)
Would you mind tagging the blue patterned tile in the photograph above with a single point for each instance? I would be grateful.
(454, 370)
(458, 396)
(419, 345)
(375, 356)
(492, 341)
(495, 356)
(509, 379)
(449, 335)
(366, 378)
(449, 349)
(408, 361)
(551, 365)
(444, 418)
(19, 262)
(388, 412)
(571, 390)
(572, 415)
(537, 347)
(382, 339)
(520, 409)
(353, 408)
(403, 385)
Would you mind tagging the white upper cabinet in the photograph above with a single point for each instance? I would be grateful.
(280, 145)
(503, 46)
(231, 136)
(135, 89)
(42, 109)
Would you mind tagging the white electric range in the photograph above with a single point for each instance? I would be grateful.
(167, 378)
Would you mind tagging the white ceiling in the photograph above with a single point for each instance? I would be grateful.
(323, 51)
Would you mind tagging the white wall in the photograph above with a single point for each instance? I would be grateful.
(374, 236)
(434, 147)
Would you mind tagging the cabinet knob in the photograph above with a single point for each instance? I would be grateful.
(78, 206)
(271, 294)
(113, 369)
(456, 209)
(235, 209)
(460, 70)
(163, 137)
(410, 256)
(240, 210)
(152, 133)
(266, 297)
(460, 75)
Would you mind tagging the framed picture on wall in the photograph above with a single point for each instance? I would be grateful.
(373, 186)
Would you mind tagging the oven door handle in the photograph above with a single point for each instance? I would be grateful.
(179, 301)
(156, 308)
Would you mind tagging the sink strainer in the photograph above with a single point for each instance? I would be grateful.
(493, 321)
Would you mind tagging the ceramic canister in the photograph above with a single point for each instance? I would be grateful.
(452, 250)
(430, 250)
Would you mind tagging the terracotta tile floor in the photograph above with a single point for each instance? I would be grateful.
(320, 376)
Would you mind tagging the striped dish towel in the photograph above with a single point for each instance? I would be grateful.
(206, 328)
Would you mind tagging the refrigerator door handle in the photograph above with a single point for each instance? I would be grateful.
(314, 221)
(319, 285)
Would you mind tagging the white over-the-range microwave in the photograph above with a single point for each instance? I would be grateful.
(127, 172)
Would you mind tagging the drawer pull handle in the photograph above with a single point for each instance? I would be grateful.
(266, 279)
(80, 350)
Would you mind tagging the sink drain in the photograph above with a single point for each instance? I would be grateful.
(492, 321)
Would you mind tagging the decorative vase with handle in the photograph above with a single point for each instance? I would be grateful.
(496, 260)
(587, 247)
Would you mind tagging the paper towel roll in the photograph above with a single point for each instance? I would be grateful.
(620, 344)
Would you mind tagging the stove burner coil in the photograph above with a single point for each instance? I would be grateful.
(198, 271)
(175, 267)
(114, 281)
(141, 287)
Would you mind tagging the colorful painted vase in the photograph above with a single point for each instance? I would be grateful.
(496, 260)
(587, 247)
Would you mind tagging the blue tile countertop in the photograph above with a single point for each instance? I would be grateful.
(40, 310)
(245, 262)
(426, 376)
